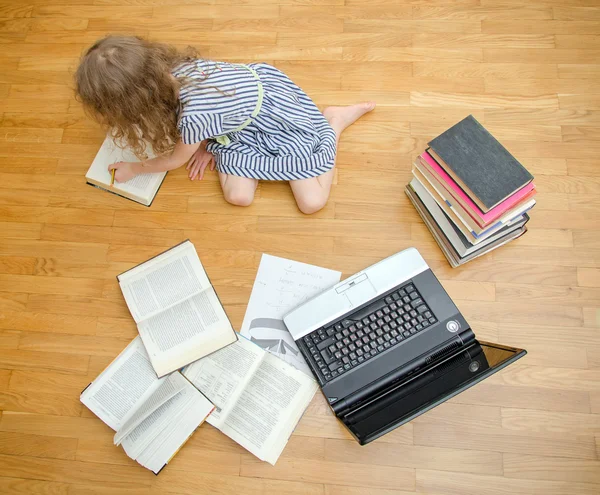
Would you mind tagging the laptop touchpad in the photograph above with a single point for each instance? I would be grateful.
(361, 293)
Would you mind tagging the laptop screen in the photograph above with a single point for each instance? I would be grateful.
(407, 399)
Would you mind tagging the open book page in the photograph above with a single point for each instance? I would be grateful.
(147, 430)
(171, 386)
(280, 286)
(222, 375)
(163, 282)
(118, 392)
(168, 442)
(269, 408)
(142, 186)
(187, 332)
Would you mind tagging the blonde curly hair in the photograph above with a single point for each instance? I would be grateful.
(126, 84)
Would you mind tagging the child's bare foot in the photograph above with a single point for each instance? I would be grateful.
(342, 117)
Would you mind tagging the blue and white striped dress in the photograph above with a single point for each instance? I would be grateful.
(288, 140)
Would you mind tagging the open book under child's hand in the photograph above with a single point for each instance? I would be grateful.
(124, 171)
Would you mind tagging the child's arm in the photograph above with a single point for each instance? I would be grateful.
(125, 171)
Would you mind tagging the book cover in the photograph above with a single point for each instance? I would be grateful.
(480, 163)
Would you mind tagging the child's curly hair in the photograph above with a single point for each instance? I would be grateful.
(125, 83)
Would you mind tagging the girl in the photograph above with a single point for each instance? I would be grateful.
(252, 119)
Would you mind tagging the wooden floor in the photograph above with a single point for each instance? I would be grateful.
(530, 71)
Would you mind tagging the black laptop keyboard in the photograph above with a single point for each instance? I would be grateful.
(337, 349)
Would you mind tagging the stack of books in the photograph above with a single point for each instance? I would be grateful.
(472, 194)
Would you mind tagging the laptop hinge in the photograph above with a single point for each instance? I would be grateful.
(358, 398)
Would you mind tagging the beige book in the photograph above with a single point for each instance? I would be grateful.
(178, 314)
(259, 398)
(141, 189)
(152, 417)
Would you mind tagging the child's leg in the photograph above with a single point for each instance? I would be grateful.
(312, 194)
(238, 191)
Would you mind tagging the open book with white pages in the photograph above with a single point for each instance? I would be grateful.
(141, 189)
(178, 313)
(259, 398)
(152, 417)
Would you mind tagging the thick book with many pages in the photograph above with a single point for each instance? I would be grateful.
(259, 397)
(417, 192)
(456, 251)
(478, 163)
(178, 314)
(153, 417)
(141, 189)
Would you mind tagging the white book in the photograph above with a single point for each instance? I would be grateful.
(141, 189)
(152, 417)
(178, 314)
(259, 398)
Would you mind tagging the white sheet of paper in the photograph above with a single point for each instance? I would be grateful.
(280, 286)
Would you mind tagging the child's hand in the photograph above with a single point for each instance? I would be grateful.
(124, 171)
(199, 161)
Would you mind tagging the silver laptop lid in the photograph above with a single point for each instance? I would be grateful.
(354, 291)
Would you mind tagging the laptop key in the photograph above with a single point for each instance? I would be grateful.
(347, 367)
(345, 360)
(354, 362)
(365, 321)
(325, 343)
(406, 299)
(335, 365)
(380, 348)
(393, 341)
(334, 374)
(380, 340)
(395, 296)
(353, 355)
(361, 359)
(410, 288)
(414, 295)
(387, 345)
(419, 327)
(432, 320)
(327, 356)
(425, 323)
(340, 370)
(389, 300)
(367, 355)
(406, 334)
(330, 331)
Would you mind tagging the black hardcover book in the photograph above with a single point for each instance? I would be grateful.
(485, 170)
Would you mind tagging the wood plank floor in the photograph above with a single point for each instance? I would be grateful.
(530, 71)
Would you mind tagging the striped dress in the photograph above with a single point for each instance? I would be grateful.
(288, 140)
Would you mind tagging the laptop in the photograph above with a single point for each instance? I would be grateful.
(388, 344)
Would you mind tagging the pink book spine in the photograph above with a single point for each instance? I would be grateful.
(495, 212)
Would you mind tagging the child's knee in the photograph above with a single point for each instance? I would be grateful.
(239, 196)
(311, 204)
